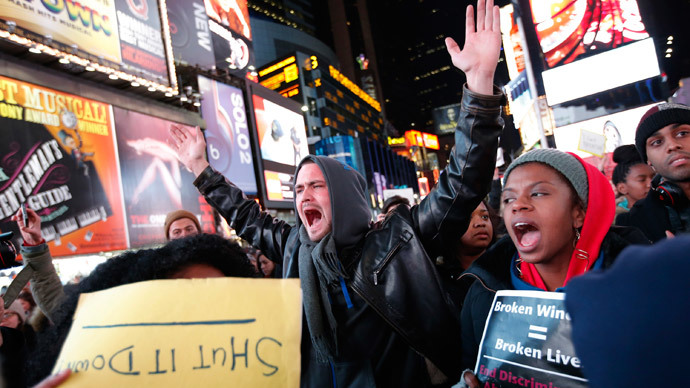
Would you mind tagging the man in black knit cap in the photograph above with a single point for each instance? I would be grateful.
(663, 140)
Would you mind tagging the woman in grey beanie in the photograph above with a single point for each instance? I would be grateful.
(558, 211)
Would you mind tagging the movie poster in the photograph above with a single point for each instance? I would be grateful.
(57, 155)
(141, 40)
(227, 133)
(153, 181)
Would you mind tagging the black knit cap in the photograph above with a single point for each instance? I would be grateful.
(656, 118)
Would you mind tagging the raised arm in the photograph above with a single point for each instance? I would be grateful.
(46, 286)
(479, 57)
(242, 214)
(442, 217)
(190, 148)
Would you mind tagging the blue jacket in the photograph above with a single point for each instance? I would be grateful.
(631, 323)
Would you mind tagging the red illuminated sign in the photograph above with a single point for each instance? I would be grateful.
(423, 183)
(430, 141)
(421, 139)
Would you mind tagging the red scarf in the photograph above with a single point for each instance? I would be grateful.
(601, 208)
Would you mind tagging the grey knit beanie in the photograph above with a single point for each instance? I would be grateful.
(566, 164)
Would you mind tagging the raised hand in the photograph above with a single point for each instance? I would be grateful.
(189, 146)
(479, 57)
(31, 233)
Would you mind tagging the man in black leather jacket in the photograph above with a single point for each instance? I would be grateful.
(376, 313)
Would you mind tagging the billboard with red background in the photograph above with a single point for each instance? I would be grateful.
(570, 29)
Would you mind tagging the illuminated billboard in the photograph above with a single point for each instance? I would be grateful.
(421, 139)
(154, 182)
(232, 14)
(190, 33)
(282, 140)
(281, 76)
(141, 42)
(446, 118)
(231, 34)
(569, 29)
(512, 44)
(58, 156)
(601, 135)
(227, 133)
(122, 37)
(608, 70)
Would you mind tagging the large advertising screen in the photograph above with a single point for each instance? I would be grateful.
(512, 43)
(58, 156)
(141, 41)
(153, 181)
(232, 14)
(569, 29)
(282, 139)
(596, 138)
(123, 35)
(608, 70)
(189, 33)
(231, 34)
(446, 118)
(90, 25)
(227, 133)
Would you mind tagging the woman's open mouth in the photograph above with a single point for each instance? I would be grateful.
(527, 235)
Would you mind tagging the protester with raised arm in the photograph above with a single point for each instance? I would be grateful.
(375, 310)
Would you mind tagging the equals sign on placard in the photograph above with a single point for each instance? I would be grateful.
(539, 330)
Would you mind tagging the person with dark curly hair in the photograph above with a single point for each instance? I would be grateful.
(631, 176)
(200, 256)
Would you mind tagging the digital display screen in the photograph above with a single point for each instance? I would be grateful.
(570, 29)
(608, 70)
(282, 139)
(232, 14)
(611, 131)
(512, 44)
(227, 133)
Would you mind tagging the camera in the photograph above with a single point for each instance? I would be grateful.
(8, 251)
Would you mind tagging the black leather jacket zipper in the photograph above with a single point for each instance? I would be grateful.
(403, 240)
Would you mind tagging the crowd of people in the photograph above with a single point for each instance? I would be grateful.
(402, 300)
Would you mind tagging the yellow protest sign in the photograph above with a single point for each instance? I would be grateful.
(183, 333)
